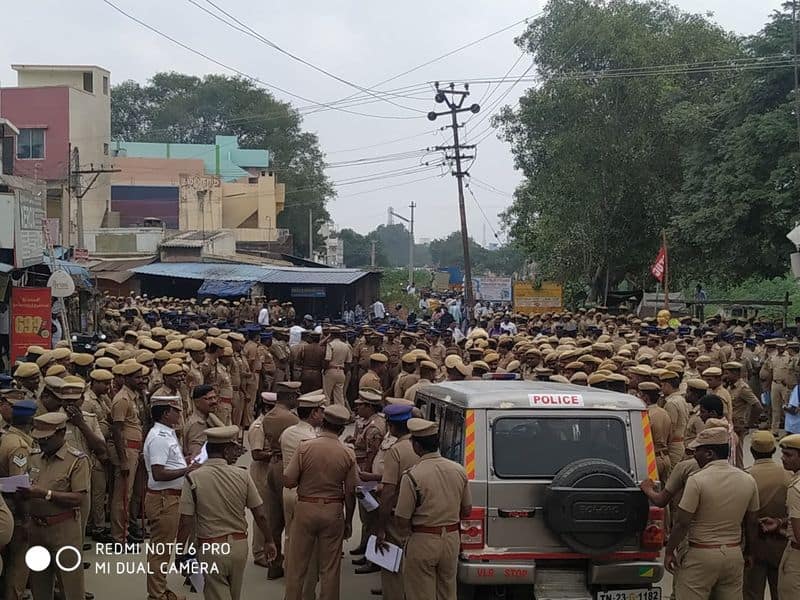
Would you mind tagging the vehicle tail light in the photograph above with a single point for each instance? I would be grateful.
(472, 530)
(653, 535)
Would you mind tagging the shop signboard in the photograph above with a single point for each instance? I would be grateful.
(30, 320)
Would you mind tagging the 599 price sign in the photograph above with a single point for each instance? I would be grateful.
(30, 319)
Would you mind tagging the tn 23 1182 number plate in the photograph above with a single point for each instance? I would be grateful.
(638, 594)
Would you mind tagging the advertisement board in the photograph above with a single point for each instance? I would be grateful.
(28, 223)
(492, 289)
(530, 299)
(30, 320)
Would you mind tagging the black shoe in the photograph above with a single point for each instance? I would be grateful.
(86, 565)
(103, 538)
(359, 561)
(132, 539)
(368, 568)
(376, 592)
(87, 546)
(357, 551)
(89, 596)
(275, 572)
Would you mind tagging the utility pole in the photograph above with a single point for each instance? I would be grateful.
(310, 237)
(796, 74)
(76, 185)
(410, 222)
(454, 99)
(372, 255)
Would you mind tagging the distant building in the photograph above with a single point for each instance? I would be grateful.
(332, 253)
(202, 187)
(61, 109)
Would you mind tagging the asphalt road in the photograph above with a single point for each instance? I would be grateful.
(130, 585)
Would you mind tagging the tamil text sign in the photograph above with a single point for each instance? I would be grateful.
(28, 223)
(30, 320)
(531, 299)
(492, 289)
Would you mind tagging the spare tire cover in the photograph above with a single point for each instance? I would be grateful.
(594, 506)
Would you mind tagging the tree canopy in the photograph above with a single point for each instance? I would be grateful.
(614, 153)
(173, 107)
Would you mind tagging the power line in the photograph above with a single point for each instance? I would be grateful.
(247, 30)
(480, 208)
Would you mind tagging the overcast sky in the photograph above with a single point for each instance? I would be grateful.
(361, 41)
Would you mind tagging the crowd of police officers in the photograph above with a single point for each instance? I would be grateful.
(139, 438)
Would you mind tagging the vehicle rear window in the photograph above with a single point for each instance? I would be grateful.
(541, 447)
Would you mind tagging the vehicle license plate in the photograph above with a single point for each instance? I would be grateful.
(637, 594)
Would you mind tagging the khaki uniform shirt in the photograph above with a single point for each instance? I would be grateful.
(252, 356)
(793, 503)
(370, 379)
(292, 437)
(727, 402)
(101, 407)
(404, 381)
(368, 436)
(694, 426)
(15, 448)
(678, 410)
(195, 376)
(274, 423)
(411, 392)
(678, 476)
(380, 458)
(67, 470)
(438, 353)
(75, 438)
(398, 459)
(208, 369)
(436, 495)
(322, 468)
(742, 399)
(772, 481)
(719, 495)
(125, 410)
(217, 494)
(224, 381)
(194, 433)
(338, 353)
(661, 426)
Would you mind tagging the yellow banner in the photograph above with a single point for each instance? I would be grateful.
(531, 300)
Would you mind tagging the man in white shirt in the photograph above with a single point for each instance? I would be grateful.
(378, 309)
(263, 314)
(296, 331)
(310, 410)
(166, 468)
(506, 326)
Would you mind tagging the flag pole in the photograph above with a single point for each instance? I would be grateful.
(666, 269)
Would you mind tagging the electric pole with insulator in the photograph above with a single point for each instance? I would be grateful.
(454, 99)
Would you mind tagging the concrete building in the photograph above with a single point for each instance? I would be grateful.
(332, 252)
(61, 111)
(198, 187)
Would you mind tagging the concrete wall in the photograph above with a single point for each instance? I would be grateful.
(154, 171)
(124, 240)
(38, 76)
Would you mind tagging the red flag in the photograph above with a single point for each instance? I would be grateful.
(658, 267)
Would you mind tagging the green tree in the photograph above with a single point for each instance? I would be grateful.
(394, 240)
(358, 249)
(740, 188)
(449, 252)
(599, 154)
(173, 107)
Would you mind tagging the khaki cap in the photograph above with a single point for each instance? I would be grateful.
(491, 357)
(236, 336)
(399, 401)
(712, 372)
(378, 357)
(427, 364)
(479, 364)
(60, 353)
(703, 359)
(175, 345)
(47, 424)
(452, 360)
(649, 386)
(369, 396)
(409, 358)
(161, 355)
(171, 369)
(44, 359)
(105, 362)
(732, 366)
(219, 342)
(288, 386)
(222, 435)
(130, 368)
(269, 397)
(791, 441)
(762, 441)
(25, 370)
(309, 401)
(101, 375)
(336, 414)
(711, 436)
(37, 350)
(667, 375)
(144, 356)
(149, 344)
(579, 376)
(422, 427)
(697, 384)
(558, 379)
(82, 359)
(513, 366)
(173, 401)
(227, 351)
(55, 371)
(193, 345)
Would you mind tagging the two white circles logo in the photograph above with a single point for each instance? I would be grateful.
(38, 558)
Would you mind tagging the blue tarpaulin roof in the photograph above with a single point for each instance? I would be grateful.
(225, 288)
(253, 273)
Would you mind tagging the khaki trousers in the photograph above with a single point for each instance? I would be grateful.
(756, 579)
(161, 510)
(99, 483)
(333, 386)
(273, 501)
(676, 451)
(237, 409)
(54, 537)
(430, 565)
(392, 583)
(121, 496)
(225, 411)
(226, 582)
(312, 575)
(258, 472)
(780, 396)
(15, 571)
(319, 526)
(664, 466)
(711, 573)
(738, 451)
(789, 574)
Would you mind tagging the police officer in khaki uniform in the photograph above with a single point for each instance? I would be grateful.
(372, 378)
(60, 478)
(407, 376)
(718, 502)
(338, 358)
(15, 448)
(259, 453)
(660, 425)
(214, 499)
(274, 423)
(96, 400)
(746, 408)
(310, 409)
(772, 480)
(324, 472)
(204, 399)
(225, 389)
(434, 497)
(397, 459)
(777, 371)
(789, 569)
(127, 435)
(427, 373)
(678, 410)
(196, 349)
